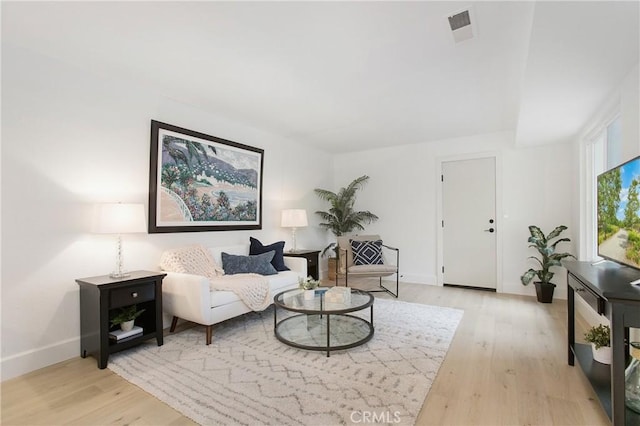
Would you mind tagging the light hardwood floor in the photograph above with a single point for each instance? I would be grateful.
(506, 366)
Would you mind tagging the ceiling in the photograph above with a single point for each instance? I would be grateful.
(348, 76)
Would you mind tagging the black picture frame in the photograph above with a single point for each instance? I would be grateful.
(199, 182)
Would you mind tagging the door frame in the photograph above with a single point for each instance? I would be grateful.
(499, 216)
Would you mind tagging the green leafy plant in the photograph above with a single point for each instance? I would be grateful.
(341, 218)
(547, 250)
(308, 283)
(126, 314)
(600, 336)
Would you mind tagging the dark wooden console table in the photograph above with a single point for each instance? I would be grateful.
(606, 288)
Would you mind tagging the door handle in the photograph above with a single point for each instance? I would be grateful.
(489, 230)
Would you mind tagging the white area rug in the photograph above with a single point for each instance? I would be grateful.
(246, 376)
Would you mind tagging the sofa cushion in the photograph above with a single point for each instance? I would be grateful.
(256, 247)
(256, 264)
(193, 259)
(367, 252)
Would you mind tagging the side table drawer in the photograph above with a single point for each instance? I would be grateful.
(132, 295)
(592, 299)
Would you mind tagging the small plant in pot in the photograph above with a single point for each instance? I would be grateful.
(126, 317)
(308, 285)
(547, 250)
(600, 339)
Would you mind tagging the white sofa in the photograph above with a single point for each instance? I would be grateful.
(189, 297)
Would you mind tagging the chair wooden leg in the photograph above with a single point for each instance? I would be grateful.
(209, 333)
(174, 322)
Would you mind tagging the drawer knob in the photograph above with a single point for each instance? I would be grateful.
(134, 294)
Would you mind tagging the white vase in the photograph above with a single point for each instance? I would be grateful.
(127, 325)
(602, 355)
(309, 294)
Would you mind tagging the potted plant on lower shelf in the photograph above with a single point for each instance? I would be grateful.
(600, 339)
(126, 317)
(547, 250)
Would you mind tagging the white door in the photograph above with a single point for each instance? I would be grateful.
(469, 222)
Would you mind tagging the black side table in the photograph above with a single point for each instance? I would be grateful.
(312, 260)
(102, 297)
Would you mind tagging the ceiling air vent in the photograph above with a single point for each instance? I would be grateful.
(461, 27)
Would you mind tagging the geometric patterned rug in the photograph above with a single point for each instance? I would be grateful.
(248, 377)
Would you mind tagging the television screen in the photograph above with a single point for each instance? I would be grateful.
(619, 214)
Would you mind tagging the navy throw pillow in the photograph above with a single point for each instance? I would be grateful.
(367, 252)
(256, 247)
(258, 264)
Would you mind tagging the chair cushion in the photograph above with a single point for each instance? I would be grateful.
(367, 252)
(372, 269)
(194, 259)
(256, 247)
(257, 264)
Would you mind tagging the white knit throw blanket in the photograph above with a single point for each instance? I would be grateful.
(252, 289)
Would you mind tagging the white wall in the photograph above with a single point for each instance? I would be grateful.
(630, 112)
(534, 186)
(70, 139)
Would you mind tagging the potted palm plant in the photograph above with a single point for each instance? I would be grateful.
(341, 218)
(547, 250)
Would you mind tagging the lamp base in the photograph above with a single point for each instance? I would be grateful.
(118, 275)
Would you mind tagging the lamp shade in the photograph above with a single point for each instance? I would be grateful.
(294, 218)
(119, 218)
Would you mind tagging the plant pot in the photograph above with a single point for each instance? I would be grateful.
(127, 325)
(602, 355)
(331, 264)
(544, 292)
(309, 294)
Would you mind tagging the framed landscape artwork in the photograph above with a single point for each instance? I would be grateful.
(199, 182)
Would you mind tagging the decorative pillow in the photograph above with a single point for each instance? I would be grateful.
(367, 252)
(256, 247)
(190, 260)
(257, 264)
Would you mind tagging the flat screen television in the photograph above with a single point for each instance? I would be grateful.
(619, 214)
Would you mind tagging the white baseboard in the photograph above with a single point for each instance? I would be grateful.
(25, 362)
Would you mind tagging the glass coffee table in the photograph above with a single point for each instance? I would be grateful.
(318, 325)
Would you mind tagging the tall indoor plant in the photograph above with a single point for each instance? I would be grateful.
(341, 218)
(549, 259)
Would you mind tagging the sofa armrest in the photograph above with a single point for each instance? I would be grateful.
(297, 264)
(187, 296)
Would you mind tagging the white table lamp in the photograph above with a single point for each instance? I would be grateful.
(294, 219)
(119, 218)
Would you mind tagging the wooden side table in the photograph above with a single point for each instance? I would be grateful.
(312, 261)
(102, 297)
